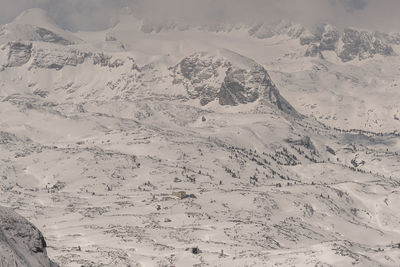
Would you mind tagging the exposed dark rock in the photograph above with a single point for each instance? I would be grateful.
(106, 61)
(329, 39)
(363, 45)
(305, 141)
(21, 243)
(356, 44)
(393, 38)
(210, 78)
(307, 39)
(59, 58)
(281, 103)
(325, 37)
(200, 74)
(268, 30)
(238, 89)
(45, 35)
(330, 150)
(110, 38)
(313, 50)
(19, 53)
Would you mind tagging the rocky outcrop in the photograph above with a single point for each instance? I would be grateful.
(328, 37)
(230, 81)
(268, 30)
(275, 98)
(324, 38)
(389, 38)
(44, 35)
(362, 45)
(106, 60)
(313, 50)
(393, 38)
(19, 53)
(55, 57)
(241, 86)
(349, 45)
(261, 30)
(21, 243)
(202, 76)
(58, 58)
(33, 33)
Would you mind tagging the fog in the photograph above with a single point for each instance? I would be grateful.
(97, 14)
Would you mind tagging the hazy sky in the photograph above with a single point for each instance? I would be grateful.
(96, 14)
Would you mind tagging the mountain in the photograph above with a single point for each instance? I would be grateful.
(243, 81)
(35, 25)
(191, 146)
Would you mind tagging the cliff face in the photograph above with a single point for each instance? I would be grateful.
(230, 79)
(21, 243)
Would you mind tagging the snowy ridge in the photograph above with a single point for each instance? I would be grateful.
(348, 43)
(35, 25)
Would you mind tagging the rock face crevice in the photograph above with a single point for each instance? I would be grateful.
(21, 243)
(19, 53)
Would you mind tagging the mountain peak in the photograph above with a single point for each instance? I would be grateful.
(126, 19)
(35, 25)
(37, 17)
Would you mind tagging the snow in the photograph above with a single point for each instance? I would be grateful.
(96, 135)
(30, 26)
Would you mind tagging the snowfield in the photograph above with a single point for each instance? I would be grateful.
(189, 146)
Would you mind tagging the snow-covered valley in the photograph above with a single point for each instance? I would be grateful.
(193, 147)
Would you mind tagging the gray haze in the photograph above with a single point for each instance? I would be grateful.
(96, 14)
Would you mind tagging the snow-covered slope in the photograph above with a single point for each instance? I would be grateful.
(34, 25)
(279, 163)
